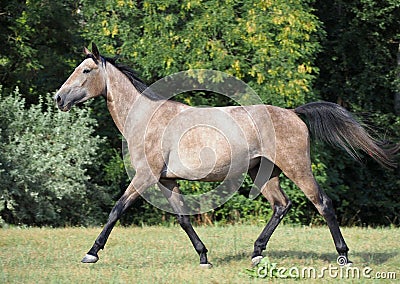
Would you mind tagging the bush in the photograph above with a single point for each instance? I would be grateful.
(44, 161)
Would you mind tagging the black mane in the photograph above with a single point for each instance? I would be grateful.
(133, 78)
(129, 73)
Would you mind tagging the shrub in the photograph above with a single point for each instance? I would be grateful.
(43, 164)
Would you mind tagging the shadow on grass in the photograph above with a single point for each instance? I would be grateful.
(366, 257)
(233, 257)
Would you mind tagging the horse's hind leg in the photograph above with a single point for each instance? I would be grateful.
(280, 204)
(171, 191)
(305, 180)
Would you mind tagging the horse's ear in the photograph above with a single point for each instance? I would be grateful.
(95, 51)
(86, 51)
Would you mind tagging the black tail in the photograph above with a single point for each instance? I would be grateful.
(331, 123)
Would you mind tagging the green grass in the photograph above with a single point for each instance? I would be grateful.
(165, 255)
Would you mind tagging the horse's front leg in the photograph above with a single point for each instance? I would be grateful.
(171, 191)
(130, 195)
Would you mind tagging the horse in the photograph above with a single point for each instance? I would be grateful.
(155, 159)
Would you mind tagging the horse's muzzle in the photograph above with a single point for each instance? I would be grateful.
(61, 103)
(65, 100)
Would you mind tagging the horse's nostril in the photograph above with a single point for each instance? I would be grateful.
(58, 99)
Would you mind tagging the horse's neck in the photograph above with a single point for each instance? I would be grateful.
(121, 95)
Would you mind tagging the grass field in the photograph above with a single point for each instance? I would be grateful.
(165, 255)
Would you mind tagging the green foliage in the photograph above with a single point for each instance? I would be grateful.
(268, 44)
(239, 208)
(39, 39)
(358, 69)
(358, 62)
(43, 165)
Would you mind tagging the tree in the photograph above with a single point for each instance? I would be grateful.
(270, 45)
(39, 43)
(397, 94)
(359, 69)
(358, 63)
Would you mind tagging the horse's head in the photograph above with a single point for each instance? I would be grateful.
(87, 81)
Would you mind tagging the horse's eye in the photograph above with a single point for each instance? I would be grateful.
(87, 70)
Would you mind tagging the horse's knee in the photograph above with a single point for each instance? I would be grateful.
(325, 208)
(184, 222)
(281, 210)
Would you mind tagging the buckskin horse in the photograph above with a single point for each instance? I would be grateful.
(125, 93)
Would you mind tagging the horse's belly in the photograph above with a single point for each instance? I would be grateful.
(218, 173)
